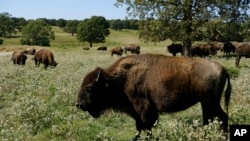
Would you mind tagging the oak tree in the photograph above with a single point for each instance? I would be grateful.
(93, 30)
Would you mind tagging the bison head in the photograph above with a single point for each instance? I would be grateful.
(91, 96)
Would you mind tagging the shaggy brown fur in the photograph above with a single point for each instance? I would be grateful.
(18, 58)
(46, 57)
(144, 85)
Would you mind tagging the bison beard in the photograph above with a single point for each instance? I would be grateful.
(143, 86)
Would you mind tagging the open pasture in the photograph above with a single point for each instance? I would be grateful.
(38, 104)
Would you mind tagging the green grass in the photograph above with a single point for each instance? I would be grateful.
(38, 104)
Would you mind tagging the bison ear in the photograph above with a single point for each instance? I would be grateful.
(98, 75)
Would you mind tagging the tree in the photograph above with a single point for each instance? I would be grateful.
(184, 19)
(93, 30)
(71, 27)
(7, 26)
(116, 24)
(37, 32)
(61, 23)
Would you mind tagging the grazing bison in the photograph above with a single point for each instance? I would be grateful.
(46, 57)
(242, 50)
(134, 49)
(145, 85)
(18, 58)
(116, 50)
(30, 51)
(102, 48)
(85, 48)
(175, 48)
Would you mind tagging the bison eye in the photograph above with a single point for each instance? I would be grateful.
(88, 89)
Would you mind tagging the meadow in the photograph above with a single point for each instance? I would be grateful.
(38, 104)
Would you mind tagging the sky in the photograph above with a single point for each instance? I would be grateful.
(65, 9)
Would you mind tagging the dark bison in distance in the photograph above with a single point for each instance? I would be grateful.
(203, 50)
(102, 48)
(117, 50)
(133, 48)
(145, 85)
(228, 48)
(18, 58)
(46, 57)
(242, 50)
(175, 48)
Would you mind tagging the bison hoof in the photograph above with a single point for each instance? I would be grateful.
(136, 138)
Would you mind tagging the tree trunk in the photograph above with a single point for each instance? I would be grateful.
(187, 20)
(90, 44)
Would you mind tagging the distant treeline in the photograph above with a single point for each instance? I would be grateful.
(116, 24)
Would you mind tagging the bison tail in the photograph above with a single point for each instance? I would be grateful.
(228, 92)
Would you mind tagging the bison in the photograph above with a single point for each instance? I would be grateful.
(145, 85)
(102, 48)
(18, 58)
(203, 50)
(242, 50)
(228, 48)
(85, 48)
(175, 48)
(46, 57)
(30, 51)
(134, 49)
(117, 50)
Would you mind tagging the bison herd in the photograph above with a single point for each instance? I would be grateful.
(43, 56)
(145, 85)
(132, 48)
(240, 49)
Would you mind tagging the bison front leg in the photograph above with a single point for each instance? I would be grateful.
(237, 61)
(147, 117)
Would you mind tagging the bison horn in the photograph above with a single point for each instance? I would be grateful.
(98, 75)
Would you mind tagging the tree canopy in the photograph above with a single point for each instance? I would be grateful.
(189, 20)
(7, 24)
(93, 30)
(71, 27)
(37, 32)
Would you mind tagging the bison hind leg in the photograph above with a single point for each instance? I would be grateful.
(210, 112)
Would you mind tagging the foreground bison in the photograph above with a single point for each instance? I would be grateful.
(46, 57)
(145, 85)
(242, 50)
(18, 58)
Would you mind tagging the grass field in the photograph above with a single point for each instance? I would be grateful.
(38, 104)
